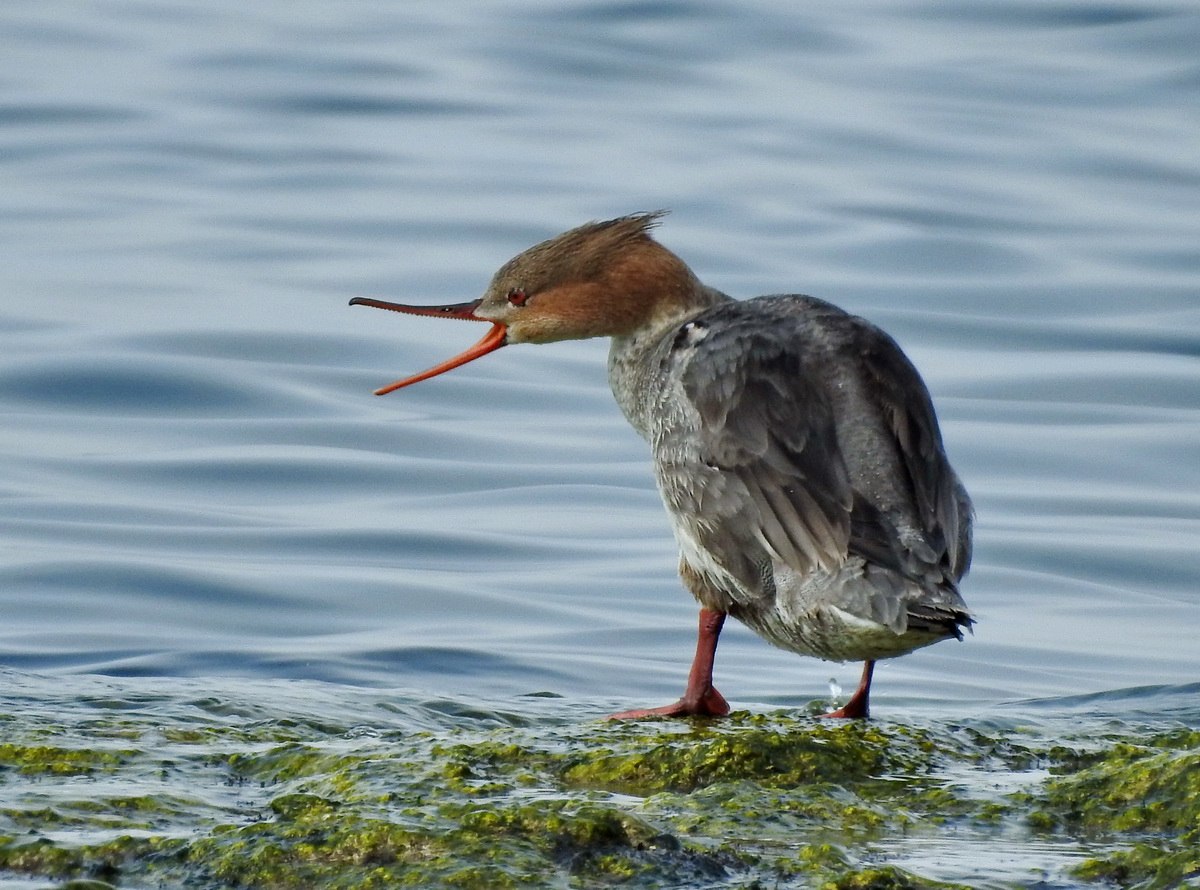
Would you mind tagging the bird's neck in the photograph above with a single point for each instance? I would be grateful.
(637, 366)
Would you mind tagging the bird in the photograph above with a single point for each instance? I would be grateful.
(795, 447)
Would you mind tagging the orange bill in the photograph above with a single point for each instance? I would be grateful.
(492, 340)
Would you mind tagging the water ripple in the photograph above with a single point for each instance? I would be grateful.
(196, 479)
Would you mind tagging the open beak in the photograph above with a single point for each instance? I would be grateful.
(492, 340)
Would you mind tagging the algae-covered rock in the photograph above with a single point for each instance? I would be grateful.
(773, 756)
(1146, 792)
(109, 858)
(754, 801)
(52, 760)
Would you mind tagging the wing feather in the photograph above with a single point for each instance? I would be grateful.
(939, 499)
(765, 460)
(762, 449)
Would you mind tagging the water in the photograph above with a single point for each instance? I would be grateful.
(195, 480)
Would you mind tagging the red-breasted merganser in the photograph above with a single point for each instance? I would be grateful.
(795, 448)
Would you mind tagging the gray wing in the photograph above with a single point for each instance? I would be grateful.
(939, 502)
(757, 469)
(754, 472)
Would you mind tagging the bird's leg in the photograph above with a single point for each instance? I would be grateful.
(701, 698)
(857, 708)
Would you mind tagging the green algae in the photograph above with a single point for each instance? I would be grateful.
(757, 800)
(51, 760)
(1145, 793)
(107, 859)
(770, 755)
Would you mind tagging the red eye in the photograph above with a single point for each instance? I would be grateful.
(517, 297)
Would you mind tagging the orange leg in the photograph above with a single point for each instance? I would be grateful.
(857, 708)
(701, 698)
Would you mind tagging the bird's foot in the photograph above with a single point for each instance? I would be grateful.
(851, 710)
(857, 707)
(709, 703)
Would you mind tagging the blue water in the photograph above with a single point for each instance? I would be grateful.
(195, 480)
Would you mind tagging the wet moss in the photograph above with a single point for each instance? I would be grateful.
(773, 756)
(490, 766)
(1148, 786)
(1148, 866)
(107, 859)
(308, 847)
(51, 760)
(587, 840)
(285, 763)
(753, 801)
(125, 814)
(314, 842)
(1145, 792)
(881, 879)
(38, 857)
